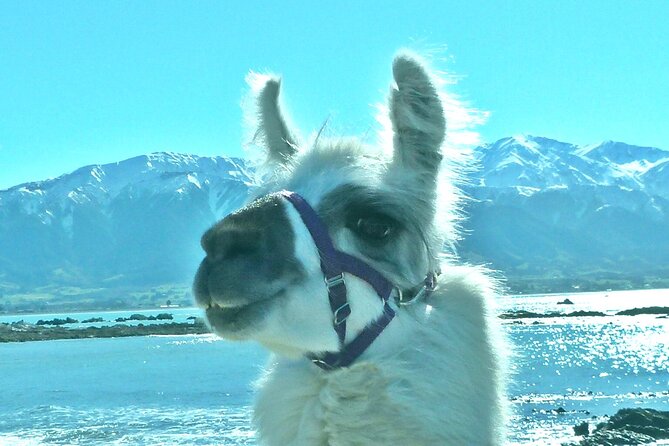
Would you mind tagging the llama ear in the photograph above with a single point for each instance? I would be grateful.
(417, 118)
(272, 132)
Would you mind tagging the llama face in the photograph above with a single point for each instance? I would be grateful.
(261, 278)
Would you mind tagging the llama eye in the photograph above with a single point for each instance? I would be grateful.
(374, 228)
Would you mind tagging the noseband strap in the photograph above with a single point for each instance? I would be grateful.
(334, 264)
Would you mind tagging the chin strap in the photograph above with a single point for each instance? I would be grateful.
(334, 264)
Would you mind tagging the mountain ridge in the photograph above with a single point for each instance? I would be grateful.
(563, 216)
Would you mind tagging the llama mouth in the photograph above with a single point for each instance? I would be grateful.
(233, 321)
(225, 303)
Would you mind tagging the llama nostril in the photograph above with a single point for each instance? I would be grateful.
(242, 244)
(232, 243)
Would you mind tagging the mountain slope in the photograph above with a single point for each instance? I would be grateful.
(546, 209)
(547, 214)
(136, 222)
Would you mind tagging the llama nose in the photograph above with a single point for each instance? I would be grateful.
(226, 243)
(259, 232)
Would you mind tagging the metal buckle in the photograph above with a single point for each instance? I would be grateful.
(429, 285)
(413, 299)
(346, 309)
(431, 281)
(322, 364)
(332, 282)
(397, 294)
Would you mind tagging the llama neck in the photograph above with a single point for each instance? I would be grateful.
(405, 388)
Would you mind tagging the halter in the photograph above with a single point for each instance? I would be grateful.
(334, 264)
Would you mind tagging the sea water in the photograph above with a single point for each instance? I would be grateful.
(197, 390)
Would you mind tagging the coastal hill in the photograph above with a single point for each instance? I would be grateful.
(551, 216)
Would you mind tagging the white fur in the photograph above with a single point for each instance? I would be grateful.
(435, 376)
(428, 380)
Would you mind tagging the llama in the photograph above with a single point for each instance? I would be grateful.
(335, 267)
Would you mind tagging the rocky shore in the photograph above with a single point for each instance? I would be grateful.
(626, 427)
(56, 328)
(524, 314)
(50, 330)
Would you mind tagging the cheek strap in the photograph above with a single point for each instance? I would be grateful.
(334, 264)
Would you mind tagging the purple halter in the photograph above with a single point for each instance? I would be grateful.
(334, 264)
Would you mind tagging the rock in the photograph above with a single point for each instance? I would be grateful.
(92, 320)
(141, 317)
(615, 437)
(523, 314)
(22, 326)
(566, 302)
(135, 317)
(629, 427)
(644, 310)
(199, 321)
(584, 313)
(40, 333)
(57, 321)
(650, 422)
(582, 429)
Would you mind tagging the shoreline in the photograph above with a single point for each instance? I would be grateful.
(55, 329)
(192, 305)
(22, 332)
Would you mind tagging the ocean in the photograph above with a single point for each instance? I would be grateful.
(198, 390)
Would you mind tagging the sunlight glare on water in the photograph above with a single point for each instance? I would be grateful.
(197, 390)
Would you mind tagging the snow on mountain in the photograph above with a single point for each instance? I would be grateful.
(536, 162)
(547, 208)
(621, 153)
(656, 178)
(133, 220)
(153, 173)
(540, 207)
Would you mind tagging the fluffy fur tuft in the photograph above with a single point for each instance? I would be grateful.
(436, 375)
(435, 378)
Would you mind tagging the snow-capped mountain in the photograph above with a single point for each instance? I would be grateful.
(539, 163)
(656, 178)
(547, 207)
(155, 173)
(135, 221)
(541, 208)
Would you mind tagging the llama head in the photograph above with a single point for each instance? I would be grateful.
(261, 278)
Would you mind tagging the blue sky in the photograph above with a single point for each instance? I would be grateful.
(85, 82)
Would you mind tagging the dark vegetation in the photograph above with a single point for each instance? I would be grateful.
(61, 299)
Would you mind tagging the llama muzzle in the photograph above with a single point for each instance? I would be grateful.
(249, 257)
